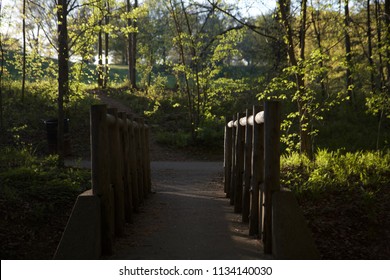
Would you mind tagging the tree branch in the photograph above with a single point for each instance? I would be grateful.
(252, 27)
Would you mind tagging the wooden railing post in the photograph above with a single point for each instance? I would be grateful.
(144, 145)
(233, 172)
(116, 170)
(239, 165)
(120, 163)
(257, 174)
(128, 195)
(101, 186)
(271, 166)
(138, 149)
(227, 157)
(147, 159)
(133, 163)
(247, 170)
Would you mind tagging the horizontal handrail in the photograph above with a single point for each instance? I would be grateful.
(244, 121)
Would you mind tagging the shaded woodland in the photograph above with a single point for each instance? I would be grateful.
(186, 65)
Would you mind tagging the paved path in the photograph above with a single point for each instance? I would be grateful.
(187, 217)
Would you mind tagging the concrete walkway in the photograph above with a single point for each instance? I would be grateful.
(187, 217)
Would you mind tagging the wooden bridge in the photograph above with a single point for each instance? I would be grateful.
(191, 215)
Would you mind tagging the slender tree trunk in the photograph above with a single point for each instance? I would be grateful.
(132, 47)
(100, 57)
(302, 31)
(63, 72)
(348, 54)
(316, 18)
(133, 77)
(183, 62)
(387, 42)
(1, 74)
(380, 42)
(24, 50)
(304, 118)
(106, 47)
(369, 43)
(197, 105)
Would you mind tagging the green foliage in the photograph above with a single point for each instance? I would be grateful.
(312, 100)
(359, 171)
(24, 177)
(24, 120)
(179, 139)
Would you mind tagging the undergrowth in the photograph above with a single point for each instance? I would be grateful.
(344, 197)
(335, 170)
(36, 197)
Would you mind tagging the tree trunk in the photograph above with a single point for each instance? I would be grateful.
(129, 43)
(100, 57)
(316, 17)
(387, 42)
(302, 31)
(1, 76)
(370, 53)
(380, 43)
(24, 50)
(196, 101)
(369, 43)
(349, 79)
(183, 62)
(132, 47)
(304, 119)
(63, 72)
(106, 47)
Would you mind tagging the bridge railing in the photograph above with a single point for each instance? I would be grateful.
(252, 167)
(120, 169)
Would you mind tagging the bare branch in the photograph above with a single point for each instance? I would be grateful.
(252, 27)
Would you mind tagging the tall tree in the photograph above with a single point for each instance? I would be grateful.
(63, 70)
(369, 47)
(24, 49)
(387, 42)
(302, 102)
(1, 69)
(348, 53)
(132, 43)
(316, 17)
(106, 44)
(100, 55)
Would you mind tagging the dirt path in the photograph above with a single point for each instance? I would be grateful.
(188, 217)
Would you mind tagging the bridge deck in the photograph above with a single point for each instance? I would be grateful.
(187, 217)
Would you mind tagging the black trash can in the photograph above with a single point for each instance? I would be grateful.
(52, 136)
